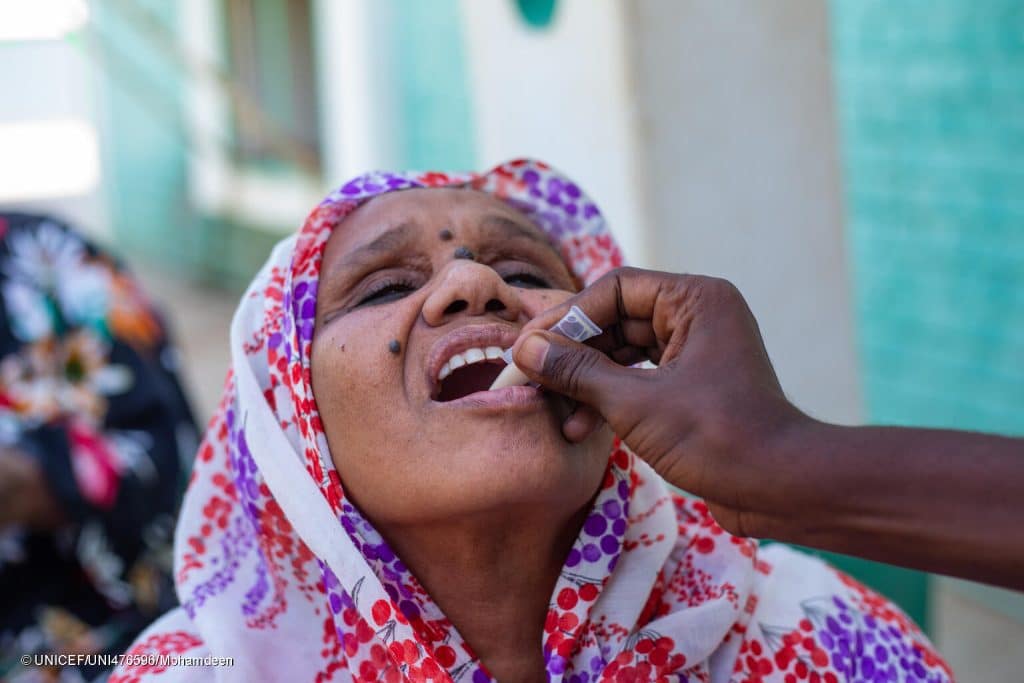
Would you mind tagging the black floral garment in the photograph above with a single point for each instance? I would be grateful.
(89, 395)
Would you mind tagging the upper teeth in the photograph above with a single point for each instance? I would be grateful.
(468, 357)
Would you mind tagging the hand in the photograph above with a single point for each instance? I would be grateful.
(712, 419)
(704, 418)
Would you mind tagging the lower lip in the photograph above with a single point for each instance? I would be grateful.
(505, 399)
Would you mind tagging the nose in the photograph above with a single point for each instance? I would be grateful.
(470, 288)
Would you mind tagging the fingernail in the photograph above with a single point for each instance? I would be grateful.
(531, 353)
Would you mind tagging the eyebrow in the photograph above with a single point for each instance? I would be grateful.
(385, 243)
(503, 224)
(500, 226)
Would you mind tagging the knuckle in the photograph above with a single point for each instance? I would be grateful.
(724, 290)
(612, 280)
(621, 272)
(699, 292)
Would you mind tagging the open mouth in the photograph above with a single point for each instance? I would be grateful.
(468, 372)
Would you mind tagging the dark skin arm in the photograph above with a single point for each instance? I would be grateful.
(712, 419)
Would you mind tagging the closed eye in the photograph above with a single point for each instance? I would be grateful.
(387, 291)
(396, 289)
(527, 280)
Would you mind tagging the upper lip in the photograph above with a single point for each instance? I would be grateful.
(462, 338)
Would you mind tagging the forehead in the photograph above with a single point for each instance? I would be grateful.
(427, 211)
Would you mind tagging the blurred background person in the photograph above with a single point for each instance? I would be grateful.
(95, 434)
(853, 167)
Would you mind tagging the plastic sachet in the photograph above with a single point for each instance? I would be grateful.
(574, 325)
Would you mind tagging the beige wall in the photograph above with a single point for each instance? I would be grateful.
(741, 175)
(978, 630)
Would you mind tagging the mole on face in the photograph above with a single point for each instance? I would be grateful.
(445, 235)
(463, 251)
(394, 346)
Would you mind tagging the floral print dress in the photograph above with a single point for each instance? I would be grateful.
(90, 398)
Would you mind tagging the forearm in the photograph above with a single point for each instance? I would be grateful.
(943, 501)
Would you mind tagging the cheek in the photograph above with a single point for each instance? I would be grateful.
(360, 393)
(357, 384)
(335, 373)
(352, 372)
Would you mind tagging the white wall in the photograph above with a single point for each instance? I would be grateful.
(562, 95)
(358, 114)
(45, 82)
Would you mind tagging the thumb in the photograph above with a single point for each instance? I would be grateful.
(576, 370)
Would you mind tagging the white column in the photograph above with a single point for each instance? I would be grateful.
(358, 112)
(561, 94)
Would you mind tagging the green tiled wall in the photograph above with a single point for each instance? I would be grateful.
(931, 107)
(139, 88)
(432, 87)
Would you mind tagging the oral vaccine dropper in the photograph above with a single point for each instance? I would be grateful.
(574, 325)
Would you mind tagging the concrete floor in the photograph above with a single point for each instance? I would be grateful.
(201, 319)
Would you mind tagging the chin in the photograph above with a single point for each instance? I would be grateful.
(530, 465)
(539, 437)
(535, 440)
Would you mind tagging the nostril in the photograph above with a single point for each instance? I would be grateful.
(494, 305)
(456, 306)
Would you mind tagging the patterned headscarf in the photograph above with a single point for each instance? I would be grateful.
(277, 569)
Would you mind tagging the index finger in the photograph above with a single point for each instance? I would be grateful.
(620, 295)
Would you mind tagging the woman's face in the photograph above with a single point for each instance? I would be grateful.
(411, 447)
